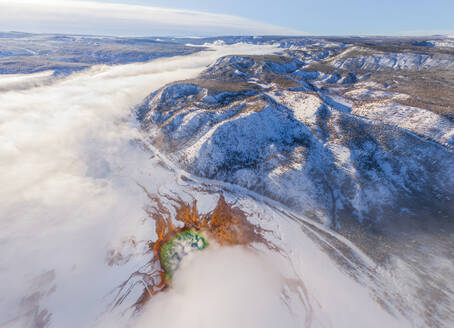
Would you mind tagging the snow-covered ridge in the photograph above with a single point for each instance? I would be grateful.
(444, 43)
(396, 61)
(300, 145)
(422, 122)
(338, 147)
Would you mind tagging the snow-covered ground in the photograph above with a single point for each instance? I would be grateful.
(445, 43)
(396, 61)
(422, 122)
(74, 228)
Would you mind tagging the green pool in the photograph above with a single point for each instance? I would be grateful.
(173, 251)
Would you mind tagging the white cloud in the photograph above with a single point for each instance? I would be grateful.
(87, 17)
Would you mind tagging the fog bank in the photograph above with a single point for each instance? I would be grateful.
(69, 169)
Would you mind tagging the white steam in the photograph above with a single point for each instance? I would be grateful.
(68, 173)
(21, 81)
(223, 288)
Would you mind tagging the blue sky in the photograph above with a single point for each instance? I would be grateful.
(331, 16)
(211, 17)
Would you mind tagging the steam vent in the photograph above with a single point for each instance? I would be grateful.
(173, 251)
(226, 225)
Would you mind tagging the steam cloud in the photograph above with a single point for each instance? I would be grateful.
(68, 171)
(225, 287)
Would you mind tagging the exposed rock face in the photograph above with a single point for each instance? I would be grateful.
(339, 146)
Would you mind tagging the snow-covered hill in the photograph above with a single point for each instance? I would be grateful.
(392, 60)
(260, 123)
(348, 143)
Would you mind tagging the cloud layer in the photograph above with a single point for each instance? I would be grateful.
(87, 17)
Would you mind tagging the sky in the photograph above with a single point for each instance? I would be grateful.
(239, 17)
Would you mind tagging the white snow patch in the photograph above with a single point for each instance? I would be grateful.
(420, 121)
(304, 106)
